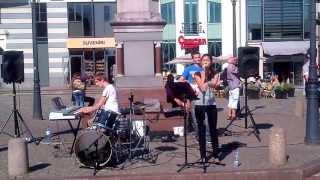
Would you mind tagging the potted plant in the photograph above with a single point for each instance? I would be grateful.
(280, 92)
(289, 88)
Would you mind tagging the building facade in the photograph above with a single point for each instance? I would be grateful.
(76, 36)
(279, 28)
(72, 36)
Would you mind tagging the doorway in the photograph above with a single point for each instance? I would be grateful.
(110, 68)
(75, 65)
(283, 70)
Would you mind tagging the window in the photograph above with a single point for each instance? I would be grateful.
(214, 12)
(254, 20)
(41, 22)
(168, 51)
(168, 12)
(80, 19)
(107, 13)
(274, 20)
(214, 47)
(283, 20)
(191, 17)
(90, 19)
(306, 22)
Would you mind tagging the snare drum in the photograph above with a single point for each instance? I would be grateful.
(91, 147)
(104, 119)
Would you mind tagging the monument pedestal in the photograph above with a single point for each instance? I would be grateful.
(139, 82)
(138, 28)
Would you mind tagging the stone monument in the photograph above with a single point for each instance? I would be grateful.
(137, 28)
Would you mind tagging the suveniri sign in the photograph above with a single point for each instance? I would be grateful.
(191, 43)
(91, 43)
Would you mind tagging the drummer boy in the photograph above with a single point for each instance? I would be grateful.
(108, 100)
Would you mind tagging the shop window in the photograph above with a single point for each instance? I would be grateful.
(214, 47)
(168, 52)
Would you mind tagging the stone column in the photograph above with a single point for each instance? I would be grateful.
(120, 59)
(277, 147)
(18, 160)
(158, 58)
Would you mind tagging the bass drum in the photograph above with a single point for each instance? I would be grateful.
(93, 146)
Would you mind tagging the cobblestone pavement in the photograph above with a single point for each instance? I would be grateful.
(48, 161)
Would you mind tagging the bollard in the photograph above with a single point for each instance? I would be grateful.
(299, 106)
(18, 161)
(277, 147)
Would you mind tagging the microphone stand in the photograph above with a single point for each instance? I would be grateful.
(131, 112)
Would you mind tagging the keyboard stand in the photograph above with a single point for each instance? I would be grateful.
(75, 133)
(68, 119)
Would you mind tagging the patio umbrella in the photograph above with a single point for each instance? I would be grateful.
(188, 60)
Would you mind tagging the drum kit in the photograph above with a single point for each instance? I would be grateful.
(113, 138)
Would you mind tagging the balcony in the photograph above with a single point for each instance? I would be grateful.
(192, 28)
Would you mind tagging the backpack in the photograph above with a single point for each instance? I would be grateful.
(224, 78)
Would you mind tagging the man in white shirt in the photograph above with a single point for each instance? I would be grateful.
(108, 100)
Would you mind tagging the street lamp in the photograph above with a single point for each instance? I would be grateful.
(234, 27)
(37, 110)
(312, 123)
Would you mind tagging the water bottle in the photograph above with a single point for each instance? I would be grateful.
(48, 135)
(236, 162)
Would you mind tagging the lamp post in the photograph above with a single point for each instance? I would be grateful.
(234, 27)
(312, 123)
(37, 110)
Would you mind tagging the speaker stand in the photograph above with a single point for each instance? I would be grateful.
(16, 117)
(247, 112)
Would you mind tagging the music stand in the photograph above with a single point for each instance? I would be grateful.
(16, 117)
(247, 112)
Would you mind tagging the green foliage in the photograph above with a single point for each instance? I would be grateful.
(279, 89)
(287, 87)
(253, 87)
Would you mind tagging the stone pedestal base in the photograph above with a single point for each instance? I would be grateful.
(139, 82)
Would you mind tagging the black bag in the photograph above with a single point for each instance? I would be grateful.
(224, 77)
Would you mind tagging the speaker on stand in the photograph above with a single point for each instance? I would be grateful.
(248, 65)
(12, 71)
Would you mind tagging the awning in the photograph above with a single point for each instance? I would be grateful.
(285, 47)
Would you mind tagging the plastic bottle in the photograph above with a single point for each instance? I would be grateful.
(236, 162)
(48, 136)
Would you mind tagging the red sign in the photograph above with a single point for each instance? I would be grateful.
(191, 43)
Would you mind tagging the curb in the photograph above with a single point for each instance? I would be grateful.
(305, 171)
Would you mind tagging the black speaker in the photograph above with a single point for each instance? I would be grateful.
(248, 61)
(12, 67)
